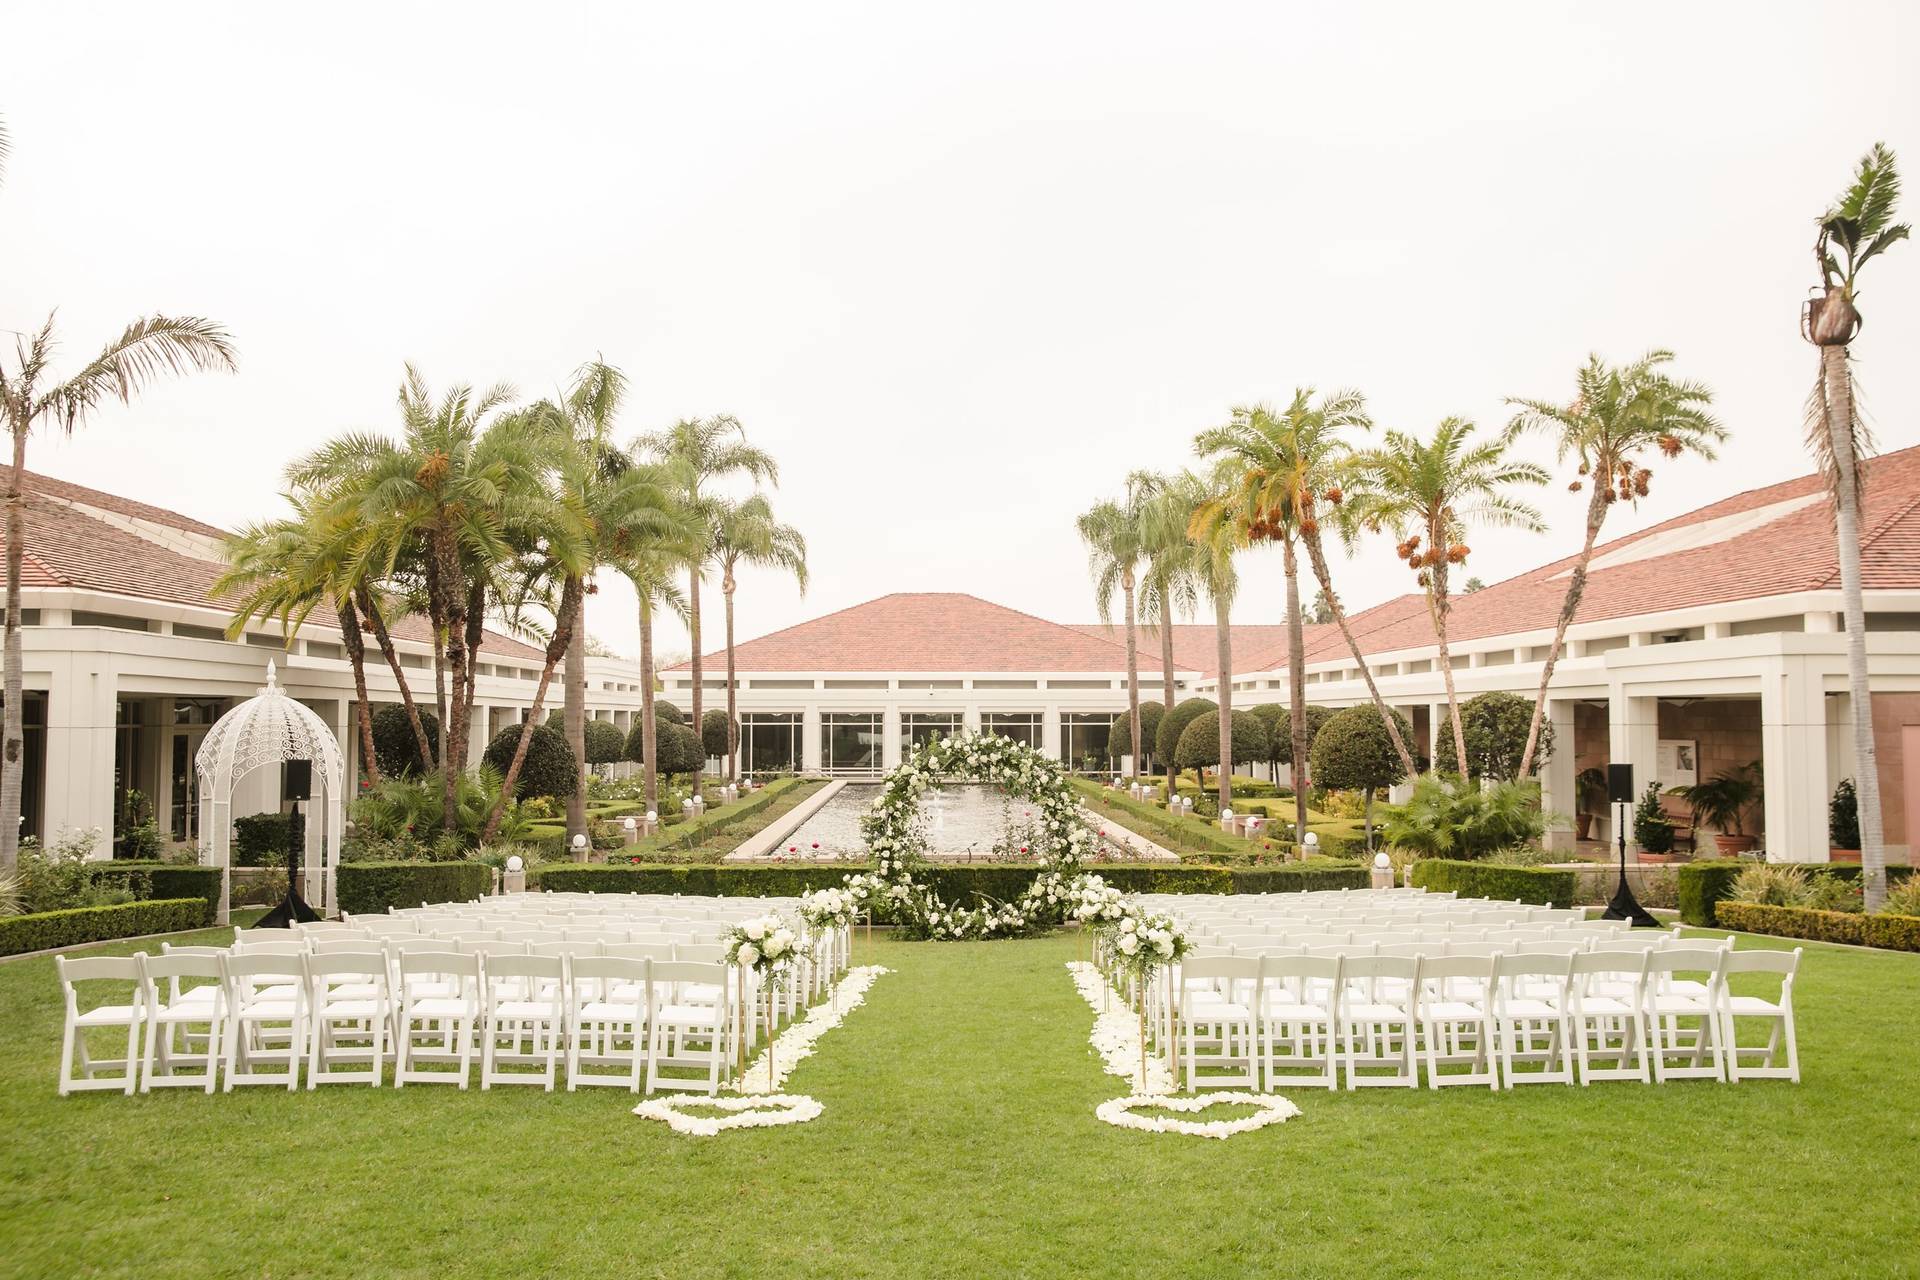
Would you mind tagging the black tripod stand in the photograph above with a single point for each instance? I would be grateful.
(1624, 905)
(295, 785)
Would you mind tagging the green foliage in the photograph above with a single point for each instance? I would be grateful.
(369, 888)
(142, 881)
(1651, 829)
(680, 748)
(605, 743)
(549, 768)
(666, 713)
(395, 748)
(1120, 738)
(687, 834)
(1166, 735)
(402, 819)
(1843, 817)
(74, 926)
(713, 734)
(1495, 726)
(1541, 885)
(1278, 719)
(1448, 818)
(261, 839)
(1722, 801)
(957, 884)
(1770, 885)
(1883, 929)
(1199, 746)
(1903, 899)
(1353, 752)
(1703, 884)
(60, 876)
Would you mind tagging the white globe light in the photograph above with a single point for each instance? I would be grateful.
(1226, 813)
(516, 863)
(652, 816)
(580, 842)
(1313, 838)
(630, 824)
(1381, 861)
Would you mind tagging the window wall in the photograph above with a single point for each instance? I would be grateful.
(850, 742)
(1084, 734)
(916, 728)
(1021, 726)
(770, 742)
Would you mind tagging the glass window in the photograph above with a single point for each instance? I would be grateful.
(770, 742)
(1083, 737)
(922, 727)
(1021, 726)
(850, 742)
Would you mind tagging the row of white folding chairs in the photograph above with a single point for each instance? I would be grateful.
(342, 1014)
(1513, 1018)
(1334, 933)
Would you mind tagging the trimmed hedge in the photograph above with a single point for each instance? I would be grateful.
(369, 888)
(261, 840)
(687, 834)
(1542, 885)
(148, 881)
(46, 930)
(1896, 933)
(1706, 883)
(957, 883)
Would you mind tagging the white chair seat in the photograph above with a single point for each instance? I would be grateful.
(444, 1007)
(1306, 1011)
(1754, 1006)
(353, 1007)
(689, 1015)
(1672, 1005)
(1452, 1010)
(609, 1011)
(1606, 1007)
(1217, 1010)
(517, 1010)
(1524, 1007)
(1370, 1011)
(111, 1015)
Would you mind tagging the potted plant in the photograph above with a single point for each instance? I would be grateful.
(1589, 789)
(1652, 832)
(1721, 802)
(1843, 824)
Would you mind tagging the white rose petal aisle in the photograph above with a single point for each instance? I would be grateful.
(761, 1111)
(1270, 1108)
(770, 1070)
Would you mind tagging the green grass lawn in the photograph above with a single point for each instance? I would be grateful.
(959, 1140)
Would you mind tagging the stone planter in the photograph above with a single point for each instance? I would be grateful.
(1654, 859)
(1843, 855)
(1731, 846)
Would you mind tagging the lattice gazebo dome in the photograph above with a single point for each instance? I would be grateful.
(271, 728)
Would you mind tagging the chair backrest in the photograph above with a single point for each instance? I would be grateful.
(639, 950)
(1369, 967)
(183, 962)
(1670, 960)
(74, 969)
(279, 945)
(1757, 960)
(700, 952)
(452, 963)
(1588, 963)
(1436, 968)
(1508, 965)
(172, 949)
(690, 971)
(326, 965)
(1311, 966)
(1208, 969)
(1551, 947)
(594, 968)
(347, 946)
(263, 964)
(575, 948)
(516, 965)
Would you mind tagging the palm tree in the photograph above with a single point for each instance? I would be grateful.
(747, 533)
(1617, 417)
(699, 452)
(1171, 584)
(146, 349)
(1858, 228)
(651, 569)
(1212, 567)
(1118, 539)
(1430, 491)
(1283, 464)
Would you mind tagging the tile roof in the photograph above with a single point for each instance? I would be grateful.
(927, 631)
(69, 546)
(1194, 647)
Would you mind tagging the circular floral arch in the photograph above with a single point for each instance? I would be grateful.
(896, 837)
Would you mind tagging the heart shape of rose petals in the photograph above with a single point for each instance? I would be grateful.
(1271, 1108)
(762, 1111)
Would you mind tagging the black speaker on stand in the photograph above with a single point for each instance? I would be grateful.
(1624, 905)
(296, 784)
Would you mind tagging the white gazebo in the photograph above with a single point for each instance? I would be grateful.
(271, 728)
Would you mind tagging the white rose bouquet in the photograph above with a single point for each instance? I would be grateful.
(762, 944)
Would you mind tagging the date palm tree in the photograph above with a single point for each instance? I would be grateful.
(1618, 419)
(30, 398)
(1118, 539)
(1170, 587)
(1430, 492)
(652, 567)
(1210, 564)
(1282, 464)
(1857, 229)
(747, 533)
(700, 453)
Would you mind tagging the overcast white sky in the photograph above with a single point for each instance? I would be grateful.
(958, 268)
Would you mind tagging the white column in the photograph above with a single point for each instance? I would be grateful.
(477, 735)
(890, 738)
(82, 701)
(345, 734)
(1633, 736)
(970, 719)
(810, 754)
(1050, 732)
(1557, 792)
(1793, 743)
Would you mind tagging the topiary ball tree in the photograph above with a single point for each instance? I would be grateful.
(1166, 737)
(1200, 742)
(1353, 752)
(1120, 739)
(667, 713)
(395, 749)
(713, 733)
(548, 770)
(605, 743)
(680, 749)
(1495, 726)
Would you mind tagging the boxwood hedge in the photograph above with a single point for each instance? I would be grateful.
(46, 930)
(1897, 933)
(146, 880)
(369, 888)
(1543, 885)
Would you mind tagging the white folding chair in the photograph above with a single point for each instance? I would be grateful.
(525, 1019)
(686, 1035)
(266, 1016)
(73, 1036)
(599, 1024)
(174, 1008)
(1299, 1001)
(439, 1002)
(1671, 1002)
(1608, 993)
(1216, 1029)
(350, 1009)
(1778, 1015)
(1454, 1004)
(1531, 1002)
(1377, 1027)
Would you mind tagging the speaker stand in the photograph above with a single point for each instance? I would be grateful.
(293, 909)
(1624, 905)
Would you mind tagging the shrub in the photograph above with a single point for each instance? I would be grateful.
(60, 876)
(688, 834)
(260, 839)
(1495, 726)
(76, 926)
(1793, 922)
(1166, 735)
(680, 749)
(1278, 720)
(1702, 885)
(1199, 746)
(954, 883)
(1651, 829)
(667, 713)
(1353, 752)
(395, 749)
(713, 733)
(548, 770)
(1120, 737)
(1770, 885)
(1903, 899)
(145, 881)
(1894, 931)
(369, 888)
(1490, 880)
(1843, 816)
(1831, 893)
(605, 743)
(404, 819)
(1448, 818)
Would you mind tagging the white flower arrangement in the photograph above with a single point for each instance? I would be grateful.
(761, 1111)
(1270, 1108)
(828, 909)
(762, 944)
